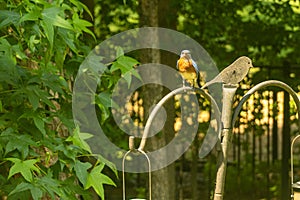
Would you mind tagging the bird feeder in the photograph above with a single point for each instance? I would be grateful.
(295, 186)
(131, 150)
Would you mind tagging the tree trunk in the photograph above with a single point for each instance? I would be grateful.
(194, 170)
(163, 180)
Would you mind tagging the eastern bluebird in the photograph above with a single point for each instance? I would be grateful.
(234, 73)
(188, 68)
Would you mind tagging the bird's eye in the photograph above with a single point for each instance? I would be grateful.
(248, 62)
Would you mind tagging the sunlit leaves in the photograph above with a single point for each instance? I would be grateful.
(25, 167)
(82, 7)
(53, 16)
(81, 170)
(49, 32)
(78, 138)
(96, 180)
(41, 48)
(92, 178)
(126, 65)
(81, 25)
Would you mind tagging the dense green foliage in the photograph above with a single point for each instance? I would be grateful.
(42, 153)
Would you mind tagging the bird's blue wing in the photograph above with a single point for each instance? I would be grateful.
(195, 66)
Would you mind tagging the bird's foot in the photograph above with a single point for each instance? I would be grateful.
(230, 85)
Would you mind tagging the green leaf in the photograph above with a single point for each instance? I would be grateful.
(49, 31)
(105, 99)
(31, 16)
(78, 139)
(127, 62)
(105, 113)
(68, 151)
(51, 15)
(23, 167)
(50, 185)
(33, 42)
(67, 38)
(53, 82)
(20, 188)
(37, 120)
(32, 97)
(128, 78)
(36, 192)
(39, 123)
(81, 170)
(120, 52)
(94, 64)
(35, 94)
(82, 7)
(104, 102)
(19, 52)
(8, 17)
(44, 96)
(96, 180)
(108, 163)
(6, 50)
(19, 142)
(115, 66)
(81, 25)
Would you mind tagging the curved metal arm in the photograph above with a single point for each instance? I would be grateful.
(167, 97)
(263, 85)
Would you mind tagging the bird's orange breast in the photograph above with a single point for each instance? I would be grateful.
(185, 65)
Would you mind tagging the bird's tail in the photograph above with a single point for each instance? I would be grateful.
(198, 81)
(217, 79)
(205, 85)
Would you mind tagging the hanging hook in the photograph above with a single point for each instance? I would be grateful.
(132, 149)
